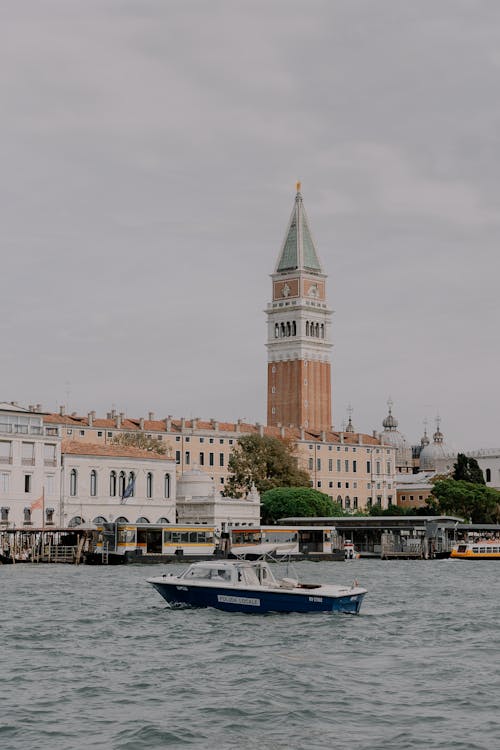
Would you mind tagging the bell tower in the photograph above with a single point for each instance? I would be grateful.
(298, 340)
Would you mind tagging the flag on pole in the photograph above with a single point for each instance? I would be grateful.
(37, 503)
(129, 490)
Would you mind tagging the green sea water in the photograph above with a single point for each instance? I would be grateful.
(94, 658)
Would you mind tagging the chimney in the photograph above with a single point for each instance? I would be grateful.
(62, 410)
(374, 433)
(215, 425)
(118, 420)
(31, 407)
(90, 418)
(141, 423)
(194, 423)
(360, 439)
(38, 407)
(151, 416)
(323, 436)
(260, 429)
(183, 424)
(168, 423)
(238, 425)
(113, 413)
(341, 435)
(282, 432)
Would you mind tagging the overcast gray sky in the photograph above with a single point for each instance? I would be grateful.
(149, 151)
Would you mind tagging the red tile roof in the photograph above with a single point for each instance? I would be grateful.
(74, 447)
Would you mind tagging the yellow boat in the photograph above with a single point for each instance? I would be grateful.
(482, 549)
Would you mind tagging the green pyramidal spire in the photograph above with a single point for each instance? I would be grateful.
(298, 251)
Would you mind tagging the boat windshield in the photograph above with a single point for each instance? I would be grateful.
(207, 573)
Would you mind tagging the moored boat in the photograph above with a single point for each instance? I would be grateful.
(482, 549)
(243, 586)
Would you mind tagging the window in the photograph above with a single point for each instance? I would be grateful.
(210, 459)
(73, 482)
(49, 515)
(221, 459)
(177, 457)
(368, 467)
(27, 515)
(211, 441)
(166, 490)
(5, 452)
(82, 433)
(202, 459)
(488, 475)
(4, 515)
(27, 482)
(187, 458)
(110, 434)
(231, 442)
(28, 454)
(112, 484)
(339, 465)
(4, 482)
(347, 502)
(202, 440)
(311, 463)
(330, 464)
(69, 432)
(221, 441)
(319, 484)
(178, 439)
(93, 483)
(131, 484)
(149, 485)
(347, 485)
(49, 454)
(318, 464)
(355, 503)
(330, 484)
(188, 440)
(99, 433)
(388, 467)
(339, 485)
(121, 483)
(377, 465)
(346, 465)
(354, 467)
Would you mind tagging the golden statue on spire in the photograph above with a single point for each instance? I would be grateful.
(298, 186)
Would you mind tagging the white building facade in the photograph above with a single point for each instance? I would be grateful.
(30, 468)
(116, 483)
(198, 501)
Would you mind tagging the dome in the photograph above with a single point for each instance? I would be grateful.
(391, 436)
(195, 483)
(433, 453)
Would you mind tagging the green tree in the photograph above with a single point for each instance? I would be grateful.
(284, 502)
(476, 502)
(265, 462)
(467, 469)
(140, 440)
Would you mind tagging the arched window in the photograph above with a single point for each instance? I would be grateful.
(317, 330)
(276, 331)
(294, 328)
(142, 519)
(76, 521)
(307, 328)
(288, 328)
(131, 483)
(282, 330)
(73, 483)
(149, 485)
(166, 489)
(163, 520)
(121, 519)
(121, 484)
(112, 484)
(93, 483)
(339, 500)
(347, 502)
(322, 330)
(488, 475)
(98, 520)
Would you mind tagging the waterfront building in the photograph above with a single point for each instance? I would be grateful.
(30, 465)
(298, 338)
(414, 489)
(353, 468)
(115, 483)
